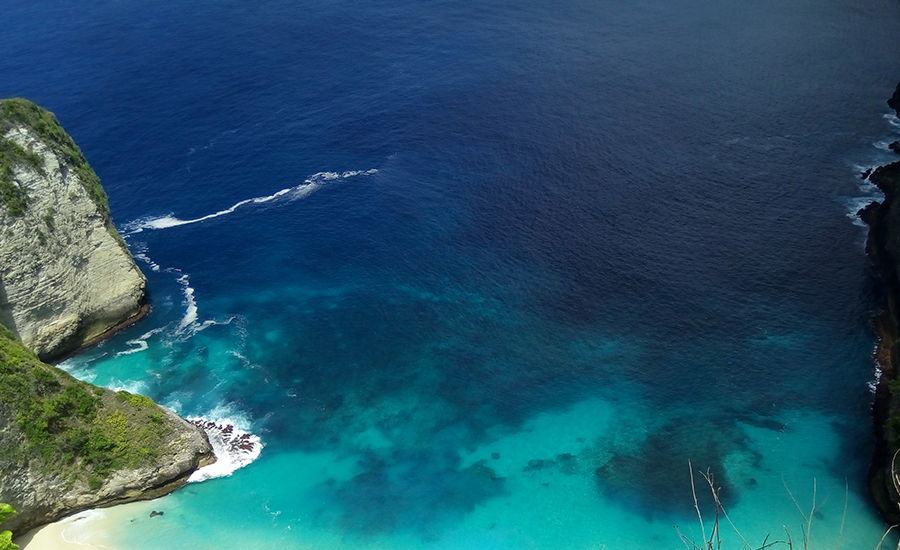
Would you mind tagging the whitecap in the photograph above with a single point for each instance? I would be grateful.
(190, 314)
(884, 145)
(233, 446)
(854, 205)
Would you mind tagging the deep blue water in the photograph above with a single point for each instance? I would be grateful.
(593, 241)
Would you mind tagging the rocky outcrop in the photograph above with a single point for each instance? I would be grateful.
(894, 101)
(66, 279)
(883, 247)
(66, 446)
(65, 275)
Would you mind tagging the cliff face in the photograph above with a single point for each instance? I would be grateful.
(65, 275)
(883, 247)
(66, 446)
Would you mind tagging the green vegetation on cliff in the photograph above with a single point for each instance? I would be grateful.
(12, 154)
(21, 111)
(18, 111)
(6, 542)
(72, 427)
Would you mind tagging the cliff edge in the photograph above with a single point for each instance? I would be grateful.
(66, 279)
(67, 446)
(883, 247)
(66, 276)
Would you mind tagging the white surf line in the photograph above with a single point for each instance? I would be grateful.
(190, 314)
(188, 322)
(311, 184)
(233, 446)
(892, 119)
(870, 192)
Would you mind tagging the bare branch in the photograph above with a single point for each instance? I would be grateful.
(696, 505)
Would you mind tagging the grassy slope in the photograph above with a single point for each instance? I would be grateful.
(71, 427)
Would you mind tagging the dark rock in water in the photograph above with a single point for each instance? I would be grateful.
(865, 174)
(568, 463)
(883, 248)
(895, 146)
(495, 456)
(894, 101)
(154, 513)
(867, 212)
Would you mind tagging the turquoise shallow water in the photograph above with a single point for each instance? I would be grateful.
(465, 433)
(489, 275)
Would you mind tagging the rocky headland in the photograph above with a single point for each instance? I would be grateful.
(66, 276)
(66, 280)
(883, 247)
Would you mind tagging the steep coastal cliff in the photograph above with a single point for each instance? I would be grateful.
(66, 277)
(883, 247)
(67, 446)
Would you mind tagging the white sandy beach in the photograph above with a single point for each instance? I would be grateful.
(82, 531)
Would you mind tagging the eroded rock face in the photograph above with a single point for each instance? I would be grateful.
(883, 247)
(65, 278)
(42, 495)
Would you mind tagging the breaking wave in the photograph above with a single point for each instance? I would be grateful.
(234, 447)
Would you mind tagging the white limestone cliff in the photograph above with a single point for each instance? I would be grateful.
(65, 276)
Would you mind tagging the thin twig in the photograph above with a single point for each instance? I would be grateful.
(894, 479)
(809, 520)
(886, 533)
(719, 506)
(840, 539)
(696, 506)
(794, 500)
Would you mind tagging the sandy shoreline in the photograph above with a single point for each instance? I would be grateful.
(49, 537)
(82, 531)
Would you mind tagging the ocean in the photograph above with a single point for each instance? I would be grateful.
(489, 275)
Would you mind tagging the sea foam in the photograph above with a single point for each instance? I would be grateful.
(140, 342)
(234, 448)
(892, 119)
(311, 184)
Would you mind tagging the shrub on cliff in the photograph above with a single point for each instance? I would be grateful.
(68, 423)
(44, 124)
(6, 542)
